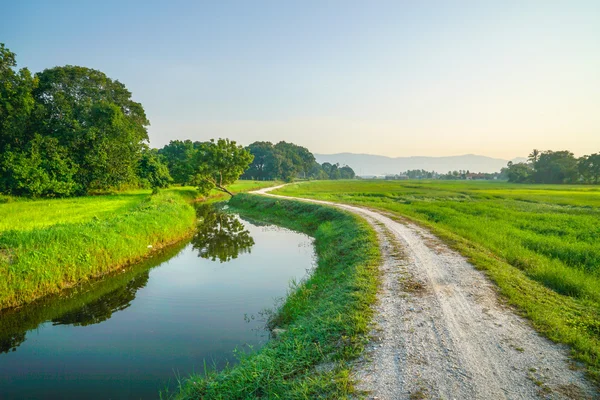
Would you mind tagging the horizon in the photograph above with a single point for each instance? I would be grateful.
(389, 79)
(422, 156)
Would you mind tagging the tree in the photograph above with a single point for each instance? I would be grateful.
(266, 164)
(41, 168)
(534, 156)
(589, 168)
(296, 160)
(179, 156)
(153, 171)
(346, 172)
(220, 235)
(218, 164)
(519, 172)
(556, 167)
(16, 102)
(96, 120)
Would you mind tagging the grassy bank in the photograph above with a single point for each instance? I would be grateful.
(539, 243)
(44, 260)
(52, 244)
(325, 318)
(90, 303)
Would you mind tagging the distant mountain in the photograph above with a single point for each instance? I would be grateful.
(369, 164)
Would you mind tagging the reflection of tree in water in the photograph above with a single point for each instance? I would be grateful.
(102, 308)
(220, 235)
(11, 342)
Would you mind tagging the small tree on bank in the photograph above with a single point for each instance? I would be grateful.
(218, 164)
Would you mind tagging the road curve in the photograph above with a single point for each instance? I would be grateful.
(441, 332)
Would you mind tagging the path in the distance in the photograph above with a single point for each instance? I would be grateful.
(442, 333)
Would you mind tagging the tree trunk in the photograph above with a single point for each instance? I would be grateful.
(223, 189)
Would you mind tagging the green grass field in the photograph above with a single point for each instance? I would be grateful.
(49, 245)
(24, 214)
(539, 243)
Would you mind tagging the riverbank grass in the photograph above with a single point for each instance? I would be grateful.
(39, 261)
(325, 320)
(47, 245)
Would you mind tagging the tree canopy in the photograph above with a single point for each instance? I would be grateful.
(555, 167)
(286, 161)
(218, 164)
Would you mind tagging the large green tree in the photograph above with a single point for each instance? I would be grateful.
(153, 171)
(16, 102)
(96, 120)
(179, 156)
(296, 160)
(589, 168)
(266, 164)
(556, 167)
(519, 172)
(41, 168)
(218, 164)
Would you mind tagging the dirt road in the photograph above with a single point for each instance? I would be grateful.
(442, 333)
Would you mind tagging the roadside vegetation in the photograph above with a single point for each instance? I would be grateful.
(539, 243)
(325, 320)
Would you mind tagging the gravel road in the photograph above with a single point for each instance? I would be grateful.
(441, 332)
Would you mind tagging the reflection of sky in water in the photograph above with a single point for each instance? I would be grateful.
(190, 310)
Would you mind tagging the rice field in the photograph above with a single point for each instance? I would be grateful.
(539, 243)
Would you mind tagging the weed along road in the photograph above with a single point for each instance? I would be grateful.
(441, 331)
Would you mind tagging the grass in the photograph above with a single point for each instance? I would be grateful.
(113, 293)
(46, 260)
(326, 319)
(49, 245)
(25, 214)
(539, 243)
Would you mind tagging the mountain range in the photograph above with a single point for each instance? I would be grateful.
(369, 164)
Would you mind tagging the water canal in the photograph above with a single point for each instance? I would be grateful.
(131, 335)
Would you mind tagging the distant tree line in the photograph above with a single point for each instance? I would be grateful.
(555, 167)
(287, 161)
(451, 175)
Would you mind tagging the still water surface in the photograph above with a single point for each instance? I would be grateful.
(130, 335)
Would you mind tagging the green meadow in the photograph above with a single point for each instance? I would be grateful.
(52, 244)
(539, 243)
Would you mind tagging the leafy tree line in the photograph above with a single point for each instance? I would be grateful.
(451, 175)
(286, 161)
(261, 161)
(555, 167)
(70, 130)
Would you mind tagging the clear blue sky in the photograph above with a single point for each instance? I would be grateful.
(395, 78)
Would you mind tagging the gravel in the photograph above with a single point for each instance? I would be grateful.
(441, 331)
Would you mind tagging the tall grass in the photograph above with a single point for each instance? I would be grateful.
(539, 243)
(40, 261)
(48, 245)
(326, 318)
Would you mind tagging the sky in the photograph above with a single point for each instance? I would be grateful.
(395, 78)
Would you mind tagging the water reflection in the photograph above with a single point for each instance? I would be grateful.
(129, 334)
(220, 235)
(103, 308)
(87, 304)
